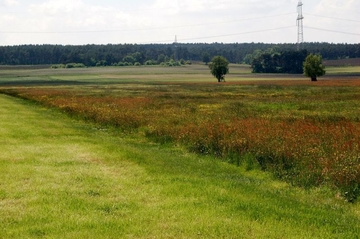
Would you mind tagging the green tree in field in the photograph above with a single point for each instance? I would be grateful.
(219, 67)
(313, 67)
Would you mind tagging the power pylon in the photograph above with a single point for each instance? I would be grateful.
(300, 25)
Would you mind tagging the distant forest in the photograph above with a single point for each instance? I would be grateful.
(104, 55)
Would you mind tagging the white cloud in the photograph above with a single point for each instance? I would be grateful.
(143, 21)
(177, 6)
(53, 6)
(75, 15)
(335, 18)
(9, 3)
(336, 8)
(72, 22)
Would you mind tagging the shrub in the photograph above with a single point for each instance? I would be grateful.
(74, 65)
(150, 63)
(101, 63)
(58, 66)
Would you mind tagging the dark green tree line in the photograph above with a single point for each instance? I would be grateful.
(103, 55)
(290, 62)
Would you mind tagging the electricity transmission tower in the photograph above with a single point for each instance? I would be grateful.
(300, 25)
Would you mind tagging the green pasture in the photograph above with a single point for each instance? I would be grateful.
(343, 70)
(65, 178)
(189, 73)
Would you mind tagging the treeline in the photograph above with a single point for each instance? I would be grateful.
(275, 61)
(104, 55)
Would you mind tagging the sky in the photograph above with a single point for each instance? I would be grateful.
(78, 22)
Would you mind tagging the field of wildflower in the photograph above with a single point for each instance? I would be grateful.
(305, 133)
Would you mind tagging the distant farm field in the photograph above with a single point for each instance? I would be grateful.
(207, 157)
(343, 62)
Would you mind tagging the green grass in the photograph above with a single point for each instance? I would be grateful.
(193, 73)
(343, 70)
(63, 178)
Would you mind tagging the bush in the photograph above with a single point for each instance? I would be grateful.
(101, 63)
(170, 63)
(74, 65)
(150, 63)
(58, 66)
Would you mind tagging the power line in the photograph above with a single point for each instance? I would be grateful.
(225, 35)
(252, 32)
(198, 25)
(328, 30)
(335, 18)
(240, 33)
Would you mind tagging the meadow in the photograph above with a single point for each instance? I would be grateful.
(223, 148)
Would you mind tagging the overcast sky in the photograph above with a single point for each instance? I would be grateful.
(158, 21)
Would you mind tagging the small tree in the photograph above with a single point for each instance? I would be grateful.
(313, 67)
(219, 67)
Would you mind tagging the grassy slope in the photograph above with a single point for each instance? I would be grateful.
(64, 179)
